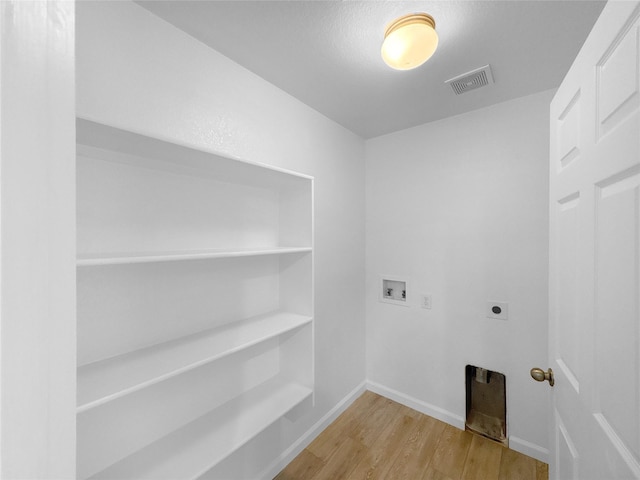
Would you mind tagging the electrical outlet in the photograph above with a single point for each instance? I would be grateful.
(498, 310)
(425, 301)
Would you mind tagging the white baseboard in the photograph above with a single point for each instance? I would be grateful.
(528, 448)
(293, 451)
(422, 407)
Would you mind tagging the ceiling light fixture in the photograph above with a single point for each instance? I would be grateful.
(409, 41)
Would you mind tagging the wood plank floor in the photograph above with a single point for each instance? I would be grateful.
(377, 438)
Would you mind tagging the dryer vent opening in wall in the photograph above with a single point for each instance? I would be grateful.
(472, 80)
(486, 403)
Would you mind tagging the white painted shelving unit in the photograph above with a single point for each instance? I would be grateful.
(195, 304)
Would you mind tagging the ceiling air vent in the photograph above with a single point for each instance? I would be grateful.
(471, 80)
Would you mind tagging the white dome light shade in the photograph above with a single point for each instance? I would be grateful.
(409, 41)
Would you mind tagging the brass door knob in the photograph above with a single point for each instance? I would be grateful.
(540, 375)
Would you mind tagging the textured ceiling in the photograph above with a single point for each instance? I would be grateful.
(327, 53)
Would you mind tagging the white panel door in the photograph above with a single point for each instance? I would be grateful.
(595, 255)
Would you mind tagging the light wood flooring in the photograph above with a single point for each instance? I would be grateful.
(377, 438)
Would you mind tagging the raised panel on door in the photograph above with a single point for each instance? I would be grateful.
(618, 81)
(567, 455)
(568, 326)
(616, 308)
(568, 128)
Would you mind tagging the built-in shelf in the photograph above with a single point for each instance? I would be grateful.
(197, 447)
(113, 378)
(198, 242)
(176, 256)
(123, 146)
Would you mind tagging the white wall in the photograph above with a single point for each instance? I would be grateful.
(459, 208)
(137, 72)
